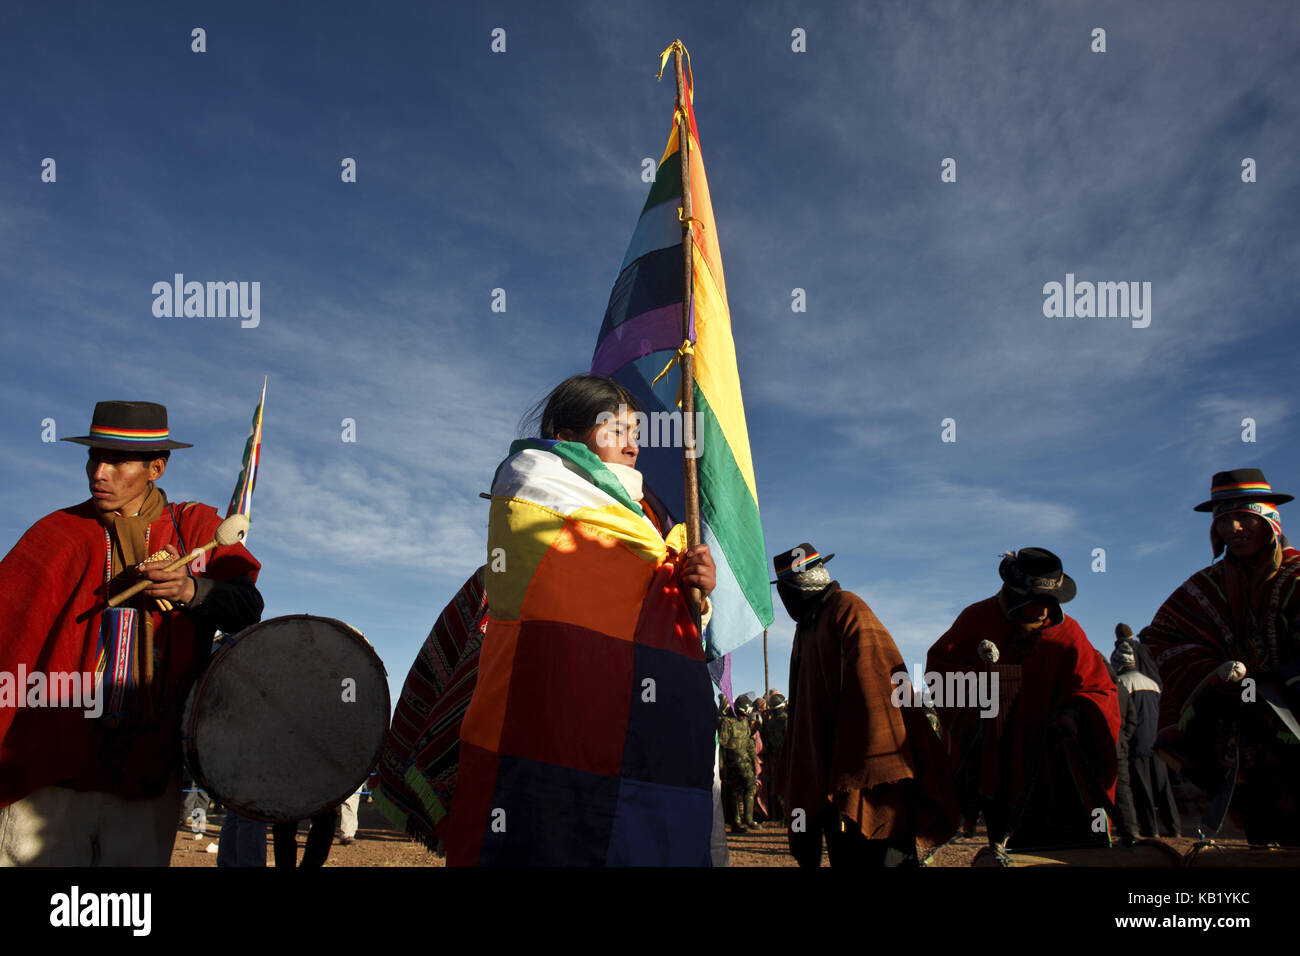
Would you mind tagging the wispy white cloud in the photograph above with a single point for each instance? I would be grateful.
(1154, 547)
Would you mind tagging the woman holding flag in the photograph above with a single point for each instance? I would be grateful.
(590, 735)
(589, 738)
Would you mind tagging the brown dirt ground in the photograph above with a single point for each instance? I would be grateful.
(378, 845)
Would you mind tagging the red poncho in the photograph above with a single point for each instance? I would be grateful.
(51, 599)
(1060, 668)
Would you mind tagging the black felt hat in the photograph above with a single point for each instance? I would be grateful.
(1242, 484)
(796, 561)
(1036, 573)
(129, 426)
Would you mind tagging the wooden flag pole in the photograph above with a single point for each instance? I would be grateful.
(766, 682)
(689, 438)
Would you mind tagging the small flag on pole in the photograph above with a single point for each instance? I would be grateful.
(241, 502)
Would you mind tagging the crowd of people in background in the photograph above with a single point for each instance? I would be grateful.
(1024, 726)
(751, 744)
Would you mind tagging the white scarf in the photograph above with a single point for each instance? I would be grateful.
(629, 477)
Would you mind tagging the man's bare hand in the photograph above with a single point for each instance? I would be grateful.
(175, 586)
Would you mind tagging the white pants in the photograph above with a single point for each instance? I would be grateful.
(718, 838)
(56, 826)
(348, 816)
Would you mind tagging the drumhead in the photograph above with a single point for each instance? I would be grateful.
(288, 718)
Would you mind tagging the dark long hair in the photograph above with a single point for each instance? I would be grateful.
(575, 404)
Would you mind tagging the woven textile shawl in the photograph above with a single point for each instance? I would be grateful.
(420, 759)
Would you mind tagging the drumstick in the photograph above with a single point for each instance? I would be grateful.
(231, 531)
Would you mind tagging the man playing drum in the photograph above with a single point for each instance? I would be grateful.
(90, 696)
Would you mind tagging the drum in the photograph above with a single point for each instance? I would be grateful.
(288, 718)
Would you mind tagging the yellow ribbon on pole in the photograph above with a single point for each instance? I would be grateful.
(663, 62)
(686, 348)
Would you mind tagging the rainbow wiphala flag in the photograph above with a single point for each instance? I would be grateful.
(642, 333)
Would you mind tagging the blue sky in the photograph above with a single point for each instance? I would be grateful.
(521, 170)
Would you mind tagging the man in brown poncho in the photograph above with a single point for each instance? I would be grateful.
(870, 777)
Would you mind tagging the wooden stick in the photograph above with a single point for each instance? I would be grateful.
(230, 531)
(184, 559)
(689, 438)
(148, 662)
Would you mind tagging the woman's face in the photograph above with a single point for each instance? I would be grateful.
(614, 440)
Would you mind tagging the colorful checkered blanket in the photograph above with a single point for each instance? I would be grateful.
(589, 739)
